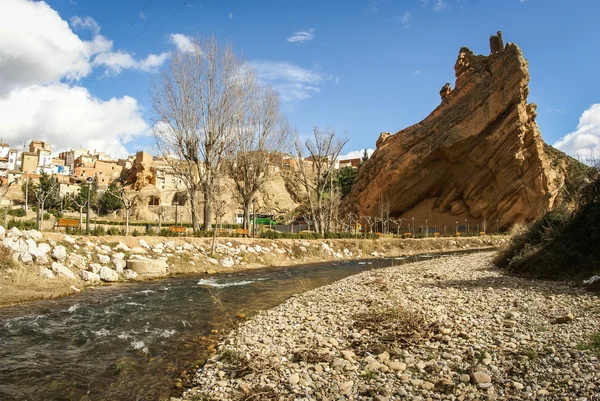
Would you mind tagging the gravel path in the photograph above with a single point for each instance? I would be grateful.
(452, 328)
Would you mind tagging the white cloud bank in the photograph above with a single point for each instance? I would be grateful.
(584, 142)
(292, 82)
(302, 36)
(355, 154)
(41, 61)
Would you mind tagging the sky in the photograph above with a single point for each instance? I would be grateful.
(77, 73)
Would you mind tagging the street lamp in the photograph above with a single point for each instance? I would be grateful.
(413, 224)
(466, 229)
(426, 229)
(497, 229)
(456, 228)
(89, 181)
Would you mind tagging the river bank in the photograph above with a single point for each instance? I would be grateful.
(51, 265)
(453, 328)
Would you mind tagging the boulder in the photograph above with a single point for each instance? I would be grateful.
(77, 261)
(130, 274)
(61, 270)
(69, 240)
(59, 253)
(144, 244)
(88, 276)
(122, 247)
(148, 267)
(14, 233)
(227, 262)
(119, 264)
(94, 268)
(108, 274)
(33, 234)
(26, 258)
(104, 259)
(2, 232)
(46, 273)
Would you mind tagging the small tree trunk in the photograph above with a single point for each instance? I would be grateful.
(212, 251)
(127, 221)
(207, 210)
(246, 223)
(80, 216)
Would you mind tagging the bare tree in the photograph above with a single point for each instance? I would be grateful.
(384, 214)
(219, 208)
(398, 222)
(196, 104)
(128, 199)
(261, 135)
(370, 220)
(316, 159)
(352, 220)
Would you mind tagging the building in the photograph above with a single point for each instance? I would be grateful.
(29, 162)
(14, 159)
(35, 146)
(354, 163)
(104, 171)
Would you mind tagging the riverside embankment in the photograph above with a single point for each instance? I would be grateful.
(453, 328)
(49, 265)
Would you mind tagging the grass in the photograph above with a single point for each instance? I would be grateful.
(532, 355)
(391, 326)
(593, 343)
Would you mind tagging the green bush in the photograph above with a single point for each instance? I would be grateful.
(17, 212)
(47, 216)
(21, 225)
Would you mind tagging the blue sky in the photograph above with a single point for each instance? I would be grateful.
(359, 66)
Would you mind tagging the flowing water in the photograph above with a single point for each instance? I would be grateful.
(132, 341)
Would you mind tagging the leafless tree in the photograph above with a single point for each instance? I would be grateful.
(398, 222)
(316, 158)
(196, 104)
(219, 208)
(128, 198)
(4, 187)
(352, 220)
(384, 214)
(261, 135)
(80, 202)
(370, 220)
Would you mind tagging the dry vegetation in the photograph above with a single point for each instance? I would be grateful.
(20, 283)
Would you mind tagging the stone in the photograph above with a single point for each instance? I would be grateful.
(26, 258)
(148, 267)
(212, 261)
(59, 253)
(69, 240)
(119, 264)
(104, 259)
(518, 386)
(2, 232)
(77, 261)
(485, 121)
(108, 274)
(46, 273)
(33, 234)
(122, 247)
(294, 379)
(227, 262)
(130, 274)
(397, 366)
(14, 233)
(144, 244)
(569, 317)
(480, 377)
(61, 270)
(94, 268)
(88, 276)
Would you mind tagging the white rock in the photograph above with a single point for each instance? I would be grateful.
(26, 258)
(227, 262)
(61, 270)
(59, 253)
(46, 273)
(138, 250)
(119, 265)
(212, 261)
(88, 276)
(592, 280)
(108, 274)
(14, 233)
(78, 261)
(118, 255)
(69, 240)
(34, 234)
(104, 259)
(106, 248)
(43, 248)
(122, 247)
(2, 232)
(144, 244)
(130, 274)
(41, 259)
(94, 268)
(31, 246)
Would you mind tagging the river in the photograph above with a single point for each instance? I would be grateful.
(133, 341)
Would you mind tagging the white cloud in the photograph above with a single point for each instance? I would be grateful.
(291, 81)
(117, 61)
(355, 154)
(182, 42)
(85, 23)
(585, 140)
(38, 47)
(417, 72)
(230, 15)
(440, 5)
(70, 117)
(302, 36)
(142, 15)
(404, 19)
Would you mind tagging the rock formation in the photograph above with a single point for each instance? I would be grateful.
(478, 156)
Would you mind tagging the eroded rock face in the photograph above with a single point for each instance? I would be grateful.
(478, 156)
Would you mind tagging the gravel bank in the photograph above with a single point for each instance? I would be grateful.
(453, 328)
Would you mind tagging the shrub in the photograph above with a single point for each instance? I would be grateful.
(17, 212)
